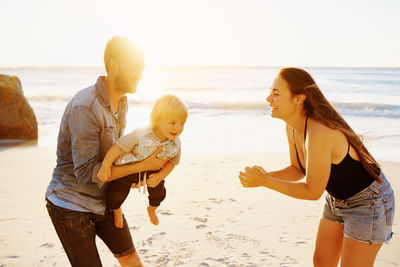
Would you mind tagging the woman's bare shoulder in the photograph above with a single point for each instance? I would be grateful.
(320, 130)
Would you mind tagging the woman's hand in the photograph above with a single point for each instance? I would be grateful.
(253, 176)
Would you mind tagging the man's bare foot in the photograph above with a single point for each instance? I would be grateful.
(118, 221)
(151, 210)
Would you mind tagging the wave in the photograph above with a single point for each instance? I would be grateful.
(228, 105)
(368, 109)
(353, 109)
(48, 98)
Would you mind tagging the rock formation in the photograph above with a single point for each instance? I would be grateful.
(17, 119)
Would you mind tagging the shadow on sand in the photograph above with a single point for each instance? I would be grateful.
(10, 143)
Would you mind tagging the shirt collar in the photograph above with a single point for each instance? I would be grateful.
(101, 91)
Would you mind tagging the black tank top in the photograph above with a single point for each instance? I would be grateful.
(347, 178)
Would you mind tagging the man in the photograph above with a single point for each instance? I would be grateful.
(93, 120)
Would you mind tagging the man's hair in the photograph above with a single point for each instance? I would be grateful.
(121, 48)
(168, 106)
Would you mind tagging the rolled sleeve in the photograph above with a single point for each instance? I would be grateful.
(96, 179)
(85, 146)
(127, 142)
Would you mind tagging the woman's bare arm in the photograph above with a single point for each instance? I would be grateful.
(318, 170)
(292, 172)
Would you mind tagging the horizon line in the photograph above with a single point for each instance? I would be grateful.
(197, 66)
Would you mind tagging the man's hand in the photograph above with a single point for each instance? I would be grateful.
(104, 173)
(153, 163)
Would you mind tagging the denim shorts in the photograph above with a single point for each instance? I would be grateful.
(77, 231)
(367, 216)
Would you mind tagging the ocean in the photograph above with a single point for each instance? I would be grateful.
(228, 110)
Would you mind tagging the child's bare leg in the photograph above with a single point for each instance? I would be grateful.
(151, 210)
(118, 221)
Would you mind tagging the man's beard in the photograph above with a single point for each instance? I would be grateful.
(124, 85)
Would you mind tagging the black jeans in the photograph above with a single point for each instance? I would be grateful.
(118, 190)
(77, 232)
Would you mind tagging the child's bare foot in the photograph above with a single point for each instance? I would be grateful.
(118, 221)
(151, 210)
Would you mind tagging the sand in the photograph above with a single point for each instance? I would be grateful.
(207, 219)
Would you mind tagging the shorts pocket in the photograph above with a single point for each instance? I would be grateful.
(72, 219)
(388, 203)
(79, 226)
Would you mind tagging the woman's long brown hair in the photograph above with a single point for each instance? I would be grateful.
(317, 107)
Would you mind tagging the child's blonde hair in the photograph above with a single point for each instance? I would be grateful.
(168, 106)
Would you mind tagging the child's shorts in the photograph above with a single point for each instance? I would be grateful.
(366, 216)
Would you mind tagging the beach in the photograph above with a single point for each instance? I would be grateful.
(207, 219)
(222, 59)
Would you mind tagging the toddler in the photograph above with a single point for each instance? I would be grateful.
(167, 120)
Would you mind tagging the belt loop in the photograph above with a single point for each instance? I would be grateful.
(333, 201)
(375, 190)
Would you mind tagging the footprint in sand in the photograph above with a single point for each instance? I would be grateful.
(215, 200)
(203, 220)
(149, 241)
(12, 257)
(201, 226)
(217, 260)
(163, 260)
(246, 255)
(165, 212)
(288, 260)
(143, 251)
(47, 245)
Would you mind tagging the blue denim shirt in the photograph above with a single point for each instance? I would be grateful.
(88, 129)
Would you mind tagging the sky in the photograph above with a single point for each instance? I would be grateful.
(341, 33)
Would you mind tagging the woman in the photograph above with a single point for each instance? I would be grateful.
(358, 213)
